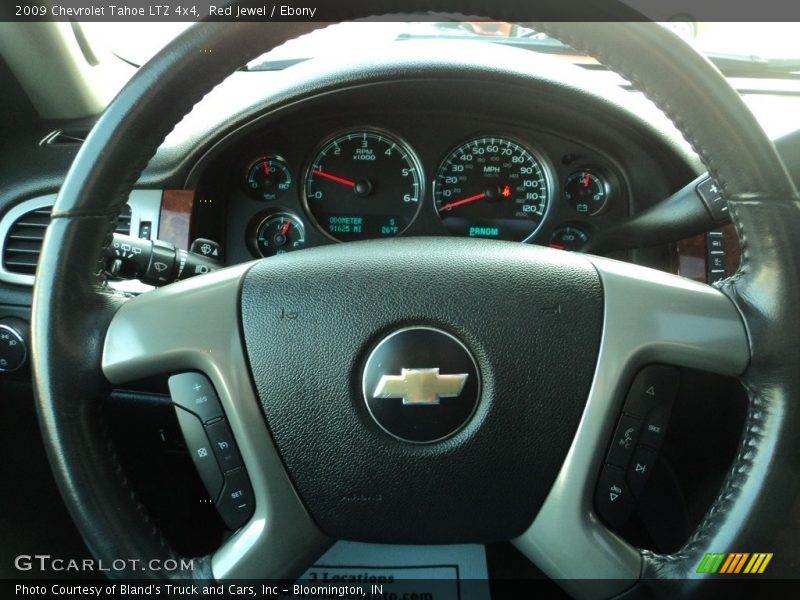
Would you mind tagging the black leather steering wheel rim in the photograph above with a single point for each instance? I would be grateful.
(73, 305)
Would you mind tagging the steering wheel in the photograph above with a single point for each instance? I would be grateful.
(524, 465)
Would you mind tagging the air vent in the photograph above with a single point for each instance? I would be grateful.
(124, 221)
(24, 240)
(65, 137)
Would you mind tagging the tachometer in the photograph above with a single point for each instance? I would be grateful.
(363, 184)
(492, 187)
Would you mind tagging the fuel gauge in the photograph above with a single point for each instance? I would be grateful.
(279, 233)
(268, 178)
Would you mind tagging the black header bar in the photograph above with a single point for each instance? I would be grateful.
(395, 10)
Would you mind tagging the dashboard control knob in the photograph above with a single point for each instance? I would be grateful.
(13, 344)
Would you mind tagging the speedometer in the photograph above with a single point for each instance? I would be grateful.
(363, 184)
(492, 187)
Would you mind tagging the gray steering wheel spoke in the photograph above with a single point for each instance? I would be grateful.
(649, 317)
(194, 326)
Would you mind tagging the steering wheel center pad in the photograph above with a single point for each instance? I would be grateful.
(532, 319)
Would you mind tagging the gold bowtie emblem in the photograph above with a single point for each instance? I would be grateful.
(420, 386)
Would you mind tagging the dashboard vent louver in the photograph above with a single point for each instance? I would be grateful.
(24, 240)
(65, 137)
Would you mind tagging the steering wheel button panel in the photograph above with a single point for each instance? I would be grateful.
(223, 444)
(624, 440)
(613, 498)
(201, 451)
(195, 393)
(236, 503)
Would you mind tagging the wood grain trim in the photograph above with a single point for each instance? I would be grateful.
(176, 217)
(689, 257)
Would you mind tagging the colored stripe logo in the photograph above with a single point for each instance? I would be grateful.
(734, 563)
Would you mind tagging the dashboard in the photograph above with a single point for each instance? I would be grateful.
(400, 146)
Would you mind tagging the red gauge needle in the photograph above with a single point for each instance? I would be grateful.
(286, 227)
(335, 178)
(266, 168)
(586, 181)
(474, 198)
(557, 246)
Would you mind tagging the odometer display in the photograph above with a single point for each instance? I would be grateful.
(492, 187)
(363, 184)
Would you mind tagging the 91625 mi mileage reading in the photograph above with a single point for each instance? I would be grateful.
(492, 187)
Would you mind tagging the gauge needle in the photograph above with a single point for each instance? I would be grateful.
(266, 168)
(335, 178)
(557, 246)
(586, 180)
(286, 227)
(474, 198)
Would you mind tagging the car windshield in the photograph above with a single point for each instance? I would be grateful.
(760, 45)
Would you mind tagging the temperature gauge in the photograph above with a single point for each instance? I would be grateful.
(268, 178)
(568, 237)
(587, 191)
(279, 233)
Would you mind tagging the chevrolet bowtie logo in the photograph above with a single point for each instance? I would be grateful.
(420, 386)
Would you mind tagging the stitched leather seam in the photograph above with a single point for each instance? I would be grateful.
(743, 245)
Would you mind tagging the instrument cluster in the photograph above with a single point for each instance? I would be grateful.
(368, 182)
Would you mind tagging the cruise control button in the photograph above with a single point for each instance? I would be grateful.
(200, 449)
(624, 440)
(221, 438)
(194, 392)
(642, 463)
(236, 503)
(613, 500)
